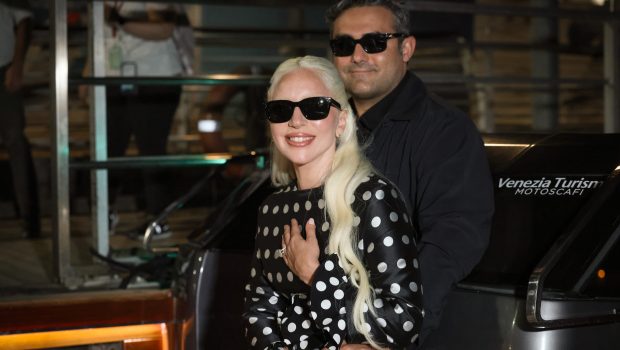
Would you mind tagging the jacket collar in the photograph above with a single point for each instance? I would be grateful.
(397, 105)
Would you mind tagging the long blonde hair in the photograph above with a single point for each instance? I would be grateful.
(349, 168)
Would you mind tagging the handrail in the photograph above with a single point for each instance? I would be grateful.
(208, 79)
(541, 271)
(258, 80)
(207, 159)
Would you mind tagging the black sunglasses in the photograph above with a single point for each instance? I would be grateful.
(313, 108)
(371, 43)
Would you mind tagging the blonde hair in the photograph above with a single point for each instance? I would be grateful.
(349, 168)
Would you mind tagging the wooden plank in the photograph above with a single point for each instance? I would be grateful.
(86, 309)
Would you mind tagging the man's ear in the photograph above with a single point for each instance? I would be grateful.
(407, 48)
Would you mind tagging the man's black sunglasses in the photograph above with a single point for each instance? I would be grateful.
(313, 108)
(371, 43)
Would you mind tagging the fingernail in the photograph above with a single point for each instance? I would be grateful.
(311, 222)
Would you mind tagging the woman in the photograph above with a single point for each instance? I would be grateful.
(349, 274)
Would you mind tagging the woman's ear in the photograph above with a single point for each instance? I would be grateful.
(342, 122)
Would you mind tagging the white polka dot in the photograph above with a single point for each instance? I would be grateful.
(254, 340)
(270, 277)
(360, 244)
(394, 193)
(351, 199)
(405, 239)
(366, 196)
(273, 300)
(379, 194)
(303, 344)
(320, 286)
(336, 338)
(378, 303)
(365, 307)
(327, 321)
(408, 326)
(414, 338)
(405, 218)
(253, 272)
(415, 263)
(276, 230)
(401, 263)
(356, 221)
(389, 339)
(289, 276)
(291, 327)
(298, 310)
(252, 320)
(376, 221)
(388, 241)
(305, 324)
(334, 281)
(367, 327)
(308, 205)
(413, 286)
(342, 325)
(393, 216)
(397, 309)
(325, 304)
(342, 311)
(265, 209)
(371, 247)
(259, 290)
(296, 207)
(329, 265)
(276, 209)
(325, 226)
(265, 231)
(267, 331)
(394, 288)
(382, 267)
(303, 337)
(366, 179)
(313, 314)
(267, 253)
(258, 253)
(285, 209)
(321, 203)
(382, 322)
(338, 294)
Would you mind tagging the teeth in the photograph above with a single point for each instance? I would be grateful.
(299, 138)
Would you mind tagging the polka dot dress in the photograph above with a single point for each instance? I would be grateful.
(280, 308)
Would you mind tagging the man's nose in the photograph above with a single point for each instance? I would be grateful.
(359, 55)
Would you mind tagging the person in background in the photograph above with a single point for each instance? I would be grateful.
(15, 30)
(430, 150)
(335, 260)
(141, 41)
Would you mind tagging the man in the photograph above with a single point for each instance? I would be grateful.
(431, 151)
(14, 39)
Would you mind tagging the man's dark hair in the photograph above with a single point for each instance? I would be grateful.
(400, 13)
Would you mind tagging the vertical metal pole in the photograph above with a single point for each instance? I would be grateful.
(612, 72)
(60, 153)
(545, 65)
(98, 130)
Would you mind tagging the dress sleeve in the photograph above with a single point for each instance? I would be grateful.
(386, 243)
(263, 306)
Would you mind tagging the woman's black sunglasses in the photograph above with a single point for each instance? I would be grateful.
(371, 43)
(313, 108)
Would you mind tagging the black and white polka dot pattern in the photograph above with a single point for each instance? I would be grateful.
(279, 307)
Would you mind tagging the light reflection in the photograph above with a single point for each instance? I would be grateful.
(507, 145)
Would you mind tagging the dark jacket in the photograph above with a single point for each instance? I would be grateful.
(435, 155)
